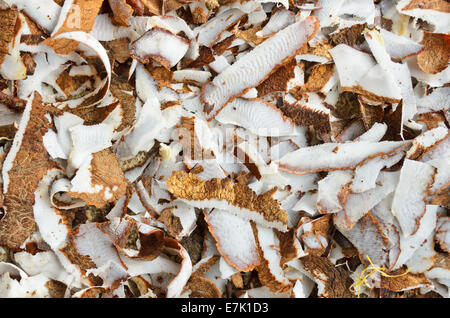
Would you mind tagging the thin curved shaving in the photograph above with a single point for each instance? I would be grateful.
(409, 201)
(237, 79)
(160, 45)
(314, 234)
(45, 263)
(410, 243)
(443, 233)
(362, 75)
(442, 177)
(369, 237)
(105, 30)
(59, 198)
(32, 285)
(399, 72)
(100, 92)
(367, 172)
(191, 76)
(235, 240)
(329, 9)
(173, 23)
(374, 134)
(53, 226)
(399, 47)
(179, 219)
(352, 131)
(426, 142)
(270, 271)
(259, 117)
(423, 258)
(329, 191)
(209, 33)
(278, 21)
(86, 140)
(356, 205)
(435, 101)
(141, 138)
(334, 156)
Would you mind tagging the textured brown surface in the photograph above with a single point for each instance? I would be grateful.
(30, 165)
(202, 287)
(304, 116)
(220, 47)
(171, 221)
(347, 106)
(56, 289)
(105, 172)
(438, 5)
(161, 75)
(410, 280)
(320, 49)
(350, 36)
(436, 53)
(93, 115)
(288, 249)
(360, 90)
(13, 103)
(278, 80)
(83, 261)
(156, 6)
(119, 49)
(371, 114)
(320, 75)
(190, 142)
(250, 36)
(337, 282)
(188, 186)
(8, 21)
(320, 226)
(127, 101)
(199, 15)
(81, 17)
(121, 11)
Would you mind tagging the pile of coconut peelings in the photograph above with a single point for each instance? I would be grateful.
(215, 148)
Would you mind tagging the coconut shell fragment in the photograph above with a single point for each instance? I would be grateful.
(240, 199)
(333, 282)
(26, 164)
(160, 45)
(106, 176)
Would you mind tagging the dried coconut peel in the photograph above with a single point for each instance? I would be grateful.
(235, 198)
(231, 149)
(240, 77)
